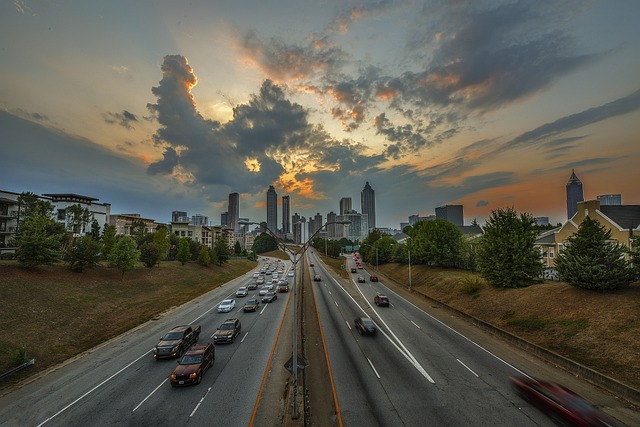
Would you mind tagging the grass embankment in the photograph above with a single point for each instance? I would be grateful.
(58, 314)
(598, 330)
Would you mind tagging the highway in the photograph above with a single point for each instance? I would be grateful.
(416, 370)
(120, 382)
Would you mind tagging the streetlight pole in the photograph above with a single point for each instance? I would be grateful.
(409, 269)
(300, 251)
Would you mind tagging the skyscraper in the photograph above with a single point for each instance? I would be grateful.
(452, 213)
(574, 194)
(368, 204)
(345, 205)
(286, 215)
(233, 212)
(297, 228)
(179, 216)
(272, 209)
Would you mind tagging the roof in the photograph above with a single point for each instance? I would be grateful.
(626, 216)
(470, 229)
(70, 195)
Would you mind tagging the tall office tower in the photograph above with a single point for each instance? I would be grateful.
(315, 224)
(296, 227)
(368, 204)
(233, 210)
(179, 216)
(345, 205)
(610, 199)
(272, 209)
(452, 213)
(286, 215)
(574, 194)
(332, 231)
(199, 219)
(223, 218)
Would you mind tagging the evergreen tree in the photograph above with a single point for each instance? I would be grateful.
(108, 240)
(139, 232)
(95, 230)
(184, 253)
(507, 257)
(222, 251)
(264, 243)
(83, 254)
(591, 261)
(194, 248)
(124, 255)
(204, 259)
(237, 249)
(162, 241)
(39, 241)
(149, 254)
(77, 218)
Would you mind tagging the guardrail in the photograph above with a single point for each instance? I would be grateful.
(17, 368)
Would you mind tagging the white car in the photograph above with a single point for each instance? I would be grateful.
(242, 292)
(263, 290)
(259, 281)
(226, 305)
(290, 274)
(256, 275)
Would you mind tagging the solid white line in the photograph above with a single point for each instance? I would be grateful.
(348, 325)
(245, 335)
(263, 308)
(150, 394)
(199, 403)
(416, 325)
(468, 368)
(336, 303)
(374, 368)
(92, 390)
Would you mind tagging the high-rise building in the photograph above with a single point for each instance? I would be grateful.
(233, 210)
(345, 205)
(199, 219)
(368, 204)
(610, 199)
(224, 218)
(574, 194)
(296, 228)
(452, 213)
(315, 224)
(272, 209)
(179, 216)
(286, 215)
(358, 228)
(332, 229)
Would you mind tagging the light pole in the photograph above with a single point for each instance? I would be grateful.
(300, 251)
(409, 269)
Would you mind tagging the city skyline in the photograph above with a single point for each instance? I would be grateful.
(160, 106)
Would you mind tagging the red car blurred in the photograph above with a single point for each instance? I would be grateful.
(562, 405)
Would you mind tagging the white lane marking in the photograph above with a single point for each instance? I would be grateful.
(470, 370)
(373, 367)
(150, 394)
(263, 308)
(336, 303)
(245, 335)
(348, 325)
(416, 325)
(92, 390)
(199, 403)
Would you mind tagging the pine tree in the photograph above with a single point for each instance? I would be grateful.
(204, 259)
(184, 253)
(591, 261)
(39, 241)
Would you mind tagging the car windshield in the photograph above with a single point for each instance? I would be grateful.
(226, 326)
(226, 302)
(191, 359)
(241, 289)
(172, 336)
(251, 302)
(367, 322)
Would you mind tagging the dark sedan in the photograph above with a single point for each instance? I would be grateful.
(270, 297)
(562, 405)
(365, 326)
(251, 305)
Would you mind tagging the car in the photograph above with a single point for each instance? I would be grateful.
(562, 405)
(228, 331)
(365, 326)
(251, 305)
(317, 278)
(260, 281)
(263, 291)
(361, 279)
(242, 292)
(226, 305)
(268, 273)
(311, 264)
(354, 270)
(283, 287)
(274, 281)
(290, 274)
(381, 300)
(193, 364)
(373, 278)
(252, 286)
(176, 341)
(360, 267)
(256, 275)
(270, 297)
(269, 285)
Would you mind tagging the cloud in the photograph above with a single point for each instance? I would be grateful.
(123, 119)
(481, 203)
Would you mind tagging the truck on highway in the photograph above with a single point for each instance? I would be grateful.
(177, 341)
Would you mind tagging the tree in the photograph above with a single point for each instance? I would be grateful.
(139, 231)
(184, 253)
(194, 248)
(634, 255)
(108, 240)
(222, 251)
(39, 241)
(204, 259)
(95, 230)
(507, 256)
(237, 249)
(265, 242)
(77, 218)
(149, 254)
(590, 260)
(162, 241)
(124, 255)
(441, 242)
(385, 246)
(30, 204)
(83, 254)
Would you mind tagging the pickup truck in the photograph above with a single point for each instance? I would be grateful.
(176, 341)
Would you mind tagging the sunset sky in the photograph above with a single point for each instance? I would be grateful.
(156, 106)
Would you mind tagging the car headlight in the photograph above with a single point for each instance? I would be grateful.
(193, 375)
(172, 376)
(174, 348)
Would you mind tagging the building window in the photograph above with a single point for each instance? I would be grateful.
(62, 214)
(551, 253)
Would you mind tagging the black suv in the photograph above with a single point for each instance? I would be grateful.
(227, 332)
(381, 300)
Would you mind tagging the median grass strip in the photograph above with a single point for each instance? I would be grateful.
(57, 314)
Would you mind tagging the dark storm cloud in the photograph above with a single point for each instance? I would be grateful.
(124, 119)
